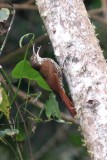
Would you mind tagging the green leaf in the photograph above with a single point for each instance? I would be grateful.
(52, 108)
(4, 102)
(20, 137)
(24, 70)
(4, 14)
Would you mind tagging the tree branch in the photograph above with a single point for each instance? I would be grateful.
(78, 51)
(25, 6)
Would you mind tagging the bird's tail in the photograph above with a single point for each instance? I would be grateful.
(68, 102)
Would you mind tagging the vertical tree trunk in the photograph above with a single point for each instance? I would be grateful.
(78, 51)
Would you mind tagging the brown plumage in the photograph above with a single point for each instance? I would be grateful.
(51, 72)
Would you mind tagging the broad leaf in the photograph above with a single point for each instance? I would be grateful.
(19, 137)
(4, 102)
(52, 108)
(22, 135)
(24, 70)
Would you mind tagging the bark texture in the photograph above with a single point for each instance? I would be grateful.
(77, 50)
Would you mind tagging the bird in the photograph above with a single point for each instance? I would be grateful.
(52, 74)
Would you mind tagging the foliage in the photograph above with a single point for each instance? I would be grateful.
(52, 108)
(4, 102)
(24, 70)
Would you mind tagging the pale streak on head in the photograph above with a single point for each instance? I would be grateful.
(36, 55)
(38, 52)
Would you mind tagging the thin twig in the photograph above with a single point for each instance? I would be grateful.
(95, 13)
(18, 108)
(20, 6)
(104, 8)
(5, 40)
(40, 105)
(29, 2)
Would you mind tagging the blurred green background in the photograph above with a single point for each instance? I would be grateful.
(50, 140)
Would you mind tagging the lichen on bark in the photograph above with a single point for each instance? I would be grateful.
(77, 50)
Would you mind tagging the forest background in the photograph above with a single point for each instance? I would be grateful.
(43, 138)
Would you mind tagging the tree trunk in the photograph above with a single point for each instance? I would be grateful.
(77, 50)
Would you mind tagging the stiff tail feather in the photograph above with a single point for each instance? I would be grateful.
(67, 102)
